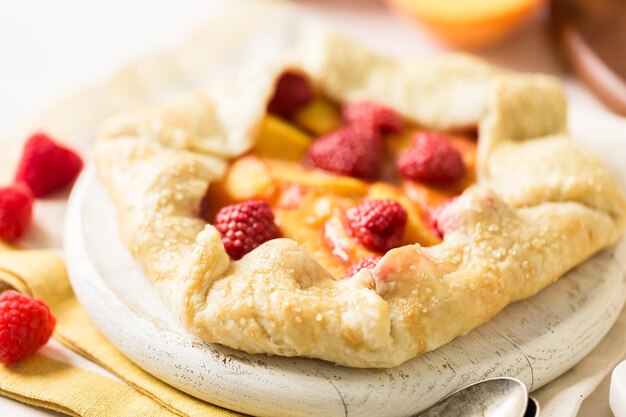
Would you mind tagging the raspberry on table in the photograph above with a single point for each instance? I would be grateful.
(431, 159)
(369, 263)
(47, 166)
(26, 325)
(16, 210)
(293, 90)
(245, 226)
(377, 224)
(367, 113)
(353, 150)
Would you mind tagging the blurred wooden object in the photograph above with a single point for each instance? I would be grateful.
(592, 36)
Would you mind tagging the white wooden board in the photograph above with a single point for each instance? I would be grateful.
(535, 340)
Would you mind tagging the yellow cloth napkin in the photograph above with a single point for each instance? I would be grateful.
(55, 385)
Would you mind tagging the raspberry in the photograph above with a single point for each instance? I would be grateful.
(434, 218)
(367, 113)
(245, 226)
(46, 166)
(377, 224)
(16, 209)
(26, 325)
(293, 90)
(353, 150)
(431, 159)
(368, 263)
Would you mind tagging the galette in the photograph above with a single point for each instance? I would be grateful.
(339, 204)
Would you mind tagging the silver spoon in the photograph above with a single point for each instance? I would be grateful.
(532, 410)
(497, 397)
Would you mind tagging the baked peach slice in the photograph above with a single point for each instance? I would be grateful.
(320, 117)
(247, 178)
(252, 177)
(280, 139)
(321, 182)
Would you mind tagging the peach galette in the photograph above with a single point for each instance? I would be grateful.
(361, 209)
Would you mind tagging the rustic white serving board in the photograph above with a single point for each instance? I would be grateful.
(535, 340)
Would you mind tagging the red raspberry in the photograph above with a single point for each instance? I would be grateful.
(245, 226)
(380, 118)
(293, 90)
(431, 159)
(434, 218)
(47, 166)
(16, 210)
(26, 325)
(368, 263)
(377, 224)
(353, 150)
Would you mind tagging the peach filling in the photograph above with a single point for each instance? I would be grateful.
(310, 204)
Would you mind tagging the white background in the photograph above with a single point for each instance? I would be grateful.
(50, 48)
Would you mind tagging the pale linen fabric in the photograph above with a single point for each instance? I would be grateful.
(76, 118)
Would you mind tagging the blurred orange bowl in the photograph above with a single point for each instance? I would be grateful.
(469, 23)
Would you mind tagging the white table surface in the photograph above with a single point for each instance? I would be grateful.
(48, 49)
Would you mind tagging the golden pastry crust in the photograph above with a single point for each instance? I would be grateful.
(542, 205)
